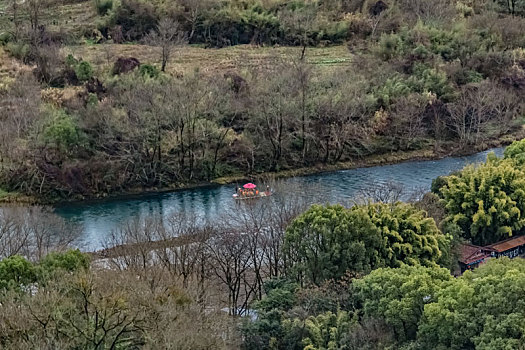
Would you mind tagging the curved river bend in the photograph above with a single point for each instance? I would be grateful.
(98, 218)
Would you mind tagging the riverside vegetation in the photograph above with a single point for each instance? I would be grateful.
(78, 122)
(108, 97)
(280, 274)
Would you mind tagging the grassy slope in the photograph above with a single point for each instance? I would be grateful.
(210, 60)
(74, 18)
(67, 18)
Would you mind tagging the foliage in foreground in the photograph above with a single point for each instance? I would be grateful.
(411, 307)
(68, 306)
(486, 305)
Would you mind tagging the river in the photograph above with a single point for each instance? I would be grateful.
(98, 218)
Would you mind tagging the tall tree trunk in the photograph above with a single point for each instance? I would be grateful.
(303, 122)
(303, 52)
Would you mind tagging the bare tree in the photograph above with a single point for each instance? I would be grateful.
(19, 110)
(388, 192)
(272, 111)
(407, 126)
(193, 10)
(339, 124)
(230, 262)
(107, 309)
(482, 110)
(33, 232)
(300, 23)
(428, 10)
(35, 9)
(303, 76)
(48, 62)
(167, 36)
(133, 247)
(15, 9)
(185, 244)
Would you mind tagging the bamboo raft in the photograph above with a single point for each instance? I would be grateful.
(260, 195)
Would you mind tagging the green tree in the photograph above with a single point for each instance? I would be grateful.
(62, 131)
(267, 331)
(280, 294)
(399, 295)
(69, 261)
(326, 241)
(483, 309)
(516, 151)
(84, 71)
(16, 272)
(487, 201)
(408, 235)
(327, 331)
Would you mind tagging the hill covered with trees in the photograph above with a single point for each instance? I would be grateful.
(105, 97)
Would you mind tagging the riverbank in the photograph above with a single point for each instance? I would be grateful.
(382, 159)
(429, 153)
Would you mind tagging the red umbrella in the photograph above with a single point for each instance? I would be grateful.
(249, 186)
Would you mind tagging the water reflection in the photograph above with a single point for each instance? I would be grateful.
(209, 204)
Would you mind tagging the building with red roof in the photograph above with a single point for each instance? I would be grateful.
(511, 247)
(471, 256)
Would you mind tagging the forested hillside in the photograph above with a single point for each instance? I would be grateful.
(104, 97)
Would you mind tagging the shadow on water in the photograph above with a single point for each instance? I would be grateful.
(98, 218)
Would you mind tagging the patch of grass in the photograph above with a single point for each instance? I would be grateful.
(67, 18)
(189, 58)
(332, 61)
(90, 42)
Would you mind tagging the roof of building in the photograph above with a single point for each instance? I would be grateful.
(507, 244)
(470, 253)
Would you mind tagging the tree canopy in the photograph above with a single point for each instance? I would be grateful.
(326, 241)
(516, 152)
(483, 309)
(399, 295)
(408, 235)
(486, 201)
(16, 272)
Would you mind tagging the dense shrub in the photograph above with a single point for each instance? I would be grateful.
(149, 71)
(103, 6)
(136, 18)
(62, 131)
(5, 38)
(427, 79)
(16, 272)
(69, 261)
(84, 71)
(19, 50)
